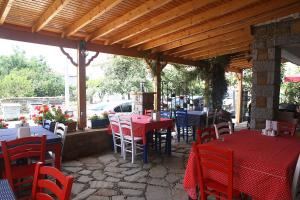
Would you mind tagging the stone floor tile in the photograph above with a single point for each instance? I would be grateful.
(98, 175)
(85, 194)
(84, 179)
(106, 192)
(131, 192)
(132, 185)
(112, 179)
(77, 188)
(97, 198)
(101, 184)
(85, 172)
(157, 193)
(107, 158)
(158, 172)
(135, 198)
(158, 182)
(119, 197)
(135, 177)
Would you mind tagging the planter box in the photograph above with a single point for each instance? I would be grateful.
(72, 126)
(98, 123)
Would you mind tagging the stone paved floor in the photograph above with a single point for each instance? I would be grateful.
(109, 177)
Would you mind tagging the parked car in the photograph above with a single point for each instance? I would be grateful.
(110, 107)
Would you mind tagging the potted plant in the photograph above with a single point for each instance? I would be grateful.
(3, 125)
(99, 121)
(61, 117)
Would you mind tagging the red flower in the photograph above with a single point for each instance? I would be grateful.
(67, 116)
(22, 118)
(1, 120)
(37, 108)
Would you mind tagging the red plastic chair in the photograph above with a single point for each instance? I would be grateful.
(17, 156)
(218, 161)
(286, 128)
(61, 189)
(148, 112)
(205, 135)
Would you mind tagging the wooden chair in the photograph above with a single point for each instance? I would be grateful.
(286, 128)
(17, 156)
(61, 189)
(220, 161)
(61, 131)
(116, 133)
(182, 125)
(205, 135)
(131, 143)
(223, 128)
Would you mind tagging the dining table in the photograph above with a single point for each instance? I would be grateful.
(53, 143)
(263, 165)
(6, 192)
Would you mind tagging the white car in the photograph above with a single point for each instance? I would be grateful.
(110, 107)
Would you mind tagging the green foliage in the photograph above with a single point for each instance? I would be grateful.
(22, 77)
(289, 92)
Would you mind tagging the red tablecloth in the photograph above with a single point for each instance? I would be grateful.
(142, 124)
(263, 165)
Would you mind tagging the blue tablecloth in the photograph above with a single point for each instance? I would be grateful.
(11, 134)
(6, 192)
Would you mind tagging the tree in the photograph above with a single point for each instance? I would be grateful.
(17, 73)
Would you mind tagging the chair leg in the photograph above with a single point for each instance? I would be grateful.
(187, 135)
(124, 150)
(156, 140)
(194, 133)
(133, 149)
(159, 143)
(178, 134)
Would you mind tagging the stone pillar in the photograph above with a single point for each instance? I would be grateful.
(266, 85)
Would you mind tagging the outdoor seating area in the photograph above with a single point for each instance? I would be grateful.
(166, 100)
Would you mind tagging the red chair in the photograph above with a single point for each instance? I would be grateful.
(61, 189)
(218, 161)
(286, 128)
(205, 135)
(18, 155)
(148, 112)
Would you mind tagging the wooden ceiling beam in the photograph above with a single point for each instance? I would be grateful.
(220, 52)
(143, 9)
(49, 14)
(160, 19)
(243, 18)
(219, 47)
(217, 11)
(96, 12)
(221, 39)
(5, 10)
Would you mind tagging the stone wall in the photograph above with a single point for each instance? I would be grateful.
(27, 101)
(86, 143)
(266, 55)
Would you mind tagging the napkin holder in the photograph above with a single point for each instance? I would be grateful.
(24, 132)
(155, 116)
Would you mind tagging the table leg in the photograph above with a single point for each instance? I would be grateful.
(56, 149)
(169, 141)
(145, 154)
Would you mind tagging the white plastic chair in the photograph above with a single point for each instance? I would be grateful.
(223, 128)
(131, 143)
(61, 131)
(295, 183)
(116, 134)
(46, 124)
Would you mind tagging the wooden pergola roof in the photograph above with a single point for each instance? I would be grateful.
(183, 31)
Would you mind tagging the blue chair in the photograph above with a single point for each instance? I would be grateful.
(161, 135)
(183, 125)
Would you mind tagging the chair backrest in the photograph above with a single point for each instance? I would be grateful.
(114, 123)
(165, 114)
(223, 128)
(126, 126)
(61, 131)
(20, 149)
(219, 161)
(148, 112)
(205, 135)
(211, 117)
(295, 184)
(61, 189)
(285, 116)
(286, 128)
(181, 117)
(46, 124)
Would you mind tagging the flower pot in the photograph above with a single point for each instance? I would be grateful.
(99, 123)
(71, 126)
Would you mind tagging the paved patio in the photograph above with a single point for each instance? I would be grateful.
(108, 176)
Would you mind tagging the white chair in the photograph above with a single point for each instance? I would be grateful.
(295, 183)
(223, 128)
(61, 131)
(116, 133)
(130, 143)
(46, 124)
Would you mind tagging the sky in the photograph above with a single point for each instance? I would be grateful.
(54, 57)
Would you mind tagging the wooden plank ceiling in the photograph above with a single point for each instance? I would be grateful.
(186, 30)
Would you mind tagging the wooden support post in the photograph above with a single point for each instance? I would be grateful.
(81, 87)
(239, 98)
(157, 87)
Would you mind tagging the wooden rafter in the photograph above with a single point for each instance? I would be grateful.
(243, 18)
(97, 11)
(219, 47)
(5, 10)
(128, 17)
(49, 14)
(160, 19)
(194, 20)
(223, 38)
(207, 55)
